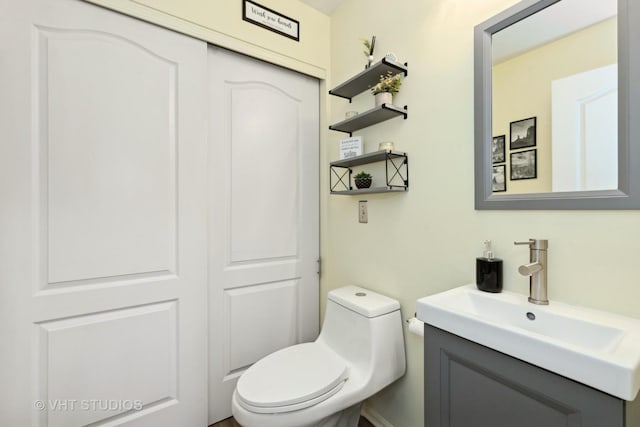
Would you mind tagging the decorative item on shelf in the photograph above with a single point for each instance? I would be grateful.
(350, 114)
(362, 180)
(387, 145)
(350, 147)
(383, 98)
(368, 49)
(384, 90)
(390, 56)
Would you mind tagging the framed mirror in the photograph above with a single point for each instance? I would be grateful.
(557, 106)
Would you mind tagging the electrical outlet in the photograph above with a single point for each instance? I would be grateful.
(363, 215)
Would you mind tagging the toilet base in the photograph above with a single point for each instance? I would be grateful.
(348, 417)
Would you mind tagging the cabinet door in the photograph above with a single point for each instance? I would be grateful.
(469, 385)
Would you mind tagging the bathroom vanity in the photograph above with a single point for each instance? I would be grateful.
(467, 384)
(497, 360)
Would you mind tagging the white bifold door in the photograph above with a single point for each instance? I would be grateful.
(103, 219)
(263, 283)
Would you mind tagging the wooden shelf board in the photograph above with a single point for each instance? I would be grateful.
(371, 190)
(369, 117)
(368, 78)
(376, 156)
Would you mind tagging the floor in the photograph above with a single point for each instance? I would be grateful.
(230, 422)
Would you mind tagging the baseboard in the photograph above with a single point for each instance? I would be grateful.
(374, 417)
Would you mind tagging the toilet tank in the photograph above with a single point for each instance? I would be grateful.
(365, 328)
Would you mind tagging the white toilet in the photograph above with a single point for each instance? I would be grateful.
(360, 351)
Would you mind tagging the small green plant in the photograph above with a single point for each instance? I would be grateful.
(367, 46)
(388, 83)
(362, 175)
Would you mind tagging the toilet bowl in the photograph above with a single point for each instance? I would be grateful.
(360, 351)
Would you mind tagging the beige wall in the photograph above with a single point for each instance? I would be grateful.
(220, 22)
(426, 240)
(522, 89)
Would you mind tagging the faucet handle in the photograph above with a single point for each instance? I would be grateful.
(539, 244)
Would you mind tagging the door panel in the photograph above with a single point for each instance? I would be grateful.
(146, 373)
(263, 291)
(264, 155)
(261, 319)
(585, 130)
(103, 159)
(120, 219)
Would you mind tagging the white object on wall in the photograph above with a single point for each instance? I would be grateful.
(416, 326)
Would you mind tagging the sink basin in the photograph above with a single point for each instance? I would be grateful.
(596, 348)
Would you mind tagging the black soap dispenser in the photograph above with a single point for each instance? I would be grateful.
(489, 271)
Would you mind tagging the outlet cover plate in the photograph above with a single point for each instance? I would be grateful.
(363, 214)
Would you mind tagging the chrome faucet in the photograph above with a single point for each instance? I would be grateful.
(536, 270)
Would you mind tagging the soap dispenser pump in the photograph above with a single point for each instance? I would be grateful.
(488, 271)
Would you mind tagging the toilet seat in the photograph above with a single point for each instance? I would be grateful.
(291, 379)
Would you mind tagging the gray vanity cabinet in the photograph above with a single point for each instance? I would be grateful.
(469, 385)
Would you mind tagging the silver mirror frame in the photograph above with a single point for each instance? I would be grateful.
(627, 196)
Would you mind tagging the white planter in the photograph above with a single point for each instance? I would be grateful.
(383, 98)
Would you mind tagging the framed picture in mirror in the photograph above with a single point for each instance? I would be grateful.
(498, 179)
(524, 165)
(522, 133)
(497, 149)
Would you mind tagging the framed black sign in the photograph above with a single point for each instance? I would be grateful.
(270, 19)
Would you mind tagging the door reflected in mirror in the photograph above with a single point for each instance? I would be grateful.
(555, 100)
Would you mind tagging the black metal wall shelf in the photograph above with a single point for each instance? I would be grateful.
(371, 190)
(376, 156)
(396, 173)
(368, 78)
(369, 117)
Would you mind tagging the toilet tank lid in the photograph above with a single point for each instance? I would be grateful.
(363, 301)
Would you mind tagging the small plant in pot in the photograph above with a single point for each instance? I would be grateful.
(362, 180)
(369, 46)
(384, 90)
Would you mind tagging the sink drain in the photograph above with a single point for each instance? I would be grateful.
(531, 316)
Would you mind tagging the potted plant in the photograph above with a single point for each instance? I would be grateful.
(368, 49)
(362, 180)
(388, 85)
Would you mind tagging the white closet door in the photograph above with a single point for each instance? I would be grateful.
(263, 292)
(103, 229)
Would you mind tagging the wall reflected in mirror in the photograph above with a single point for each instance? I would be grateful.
(554, 100)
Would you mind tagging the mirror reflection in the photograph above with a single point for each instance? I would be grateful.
(554, 100)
